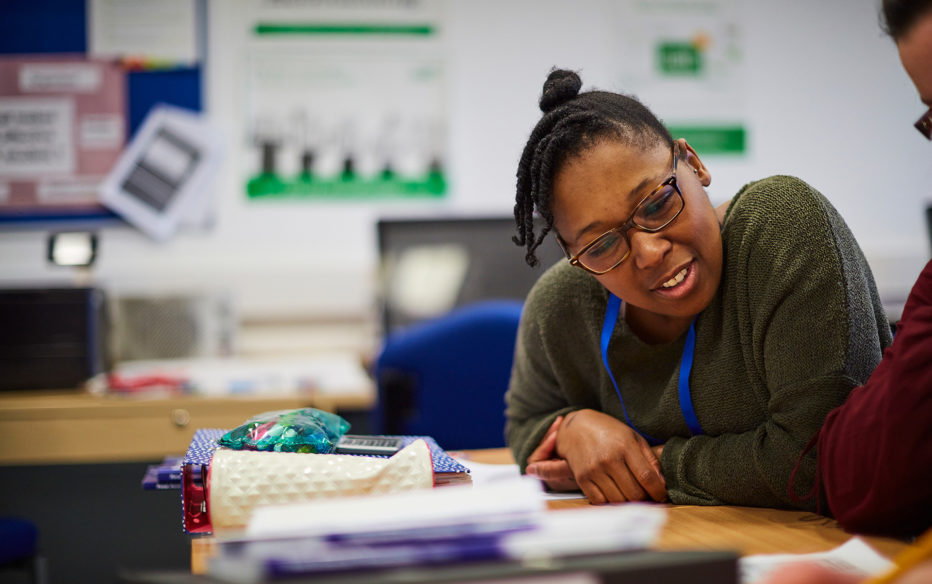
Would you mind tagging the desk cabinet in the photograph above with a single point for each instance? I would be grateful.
(74, 461)
(59, 427)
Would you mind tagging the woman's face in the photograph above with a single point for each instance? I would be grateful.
(674, 272)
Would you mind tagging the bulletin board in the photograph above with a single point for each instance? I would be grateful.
(56, 31)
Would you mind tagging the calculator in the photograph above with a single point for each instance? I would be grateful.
(360, 444)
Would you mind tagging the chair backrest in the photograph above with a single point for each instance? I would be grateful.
(19, 551)
(446, 377)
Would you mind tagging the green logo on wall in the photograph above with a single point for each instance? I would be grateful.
(679, 58)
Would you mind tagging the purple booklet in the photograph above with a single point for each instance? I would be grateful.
(166, 475)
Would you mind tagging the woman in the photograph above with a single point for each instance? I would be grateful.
(685, 352)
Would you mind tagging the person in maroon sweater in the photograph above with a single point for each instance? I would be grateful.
(875, 450)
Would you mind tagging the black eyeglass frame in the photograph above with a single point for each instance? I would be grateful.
(629, 223)
(924, 124)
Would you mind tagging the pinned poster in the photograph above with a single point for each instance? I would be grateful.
(145, 34)
(344, 100)
(685, 60)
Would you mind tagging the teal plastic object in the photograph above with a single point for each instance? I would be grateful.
(302, 430)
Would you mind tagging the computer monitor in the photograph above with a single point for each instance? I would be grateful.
(432, 265)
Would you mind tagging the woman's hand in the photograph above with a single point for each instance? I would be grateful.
(610, 462)
(544, 464)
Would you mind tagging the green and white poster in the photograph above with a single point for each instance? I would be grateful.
(345, 100)
(685, 60)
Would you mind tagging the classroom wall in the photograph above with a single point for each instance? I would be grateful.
(825, 99)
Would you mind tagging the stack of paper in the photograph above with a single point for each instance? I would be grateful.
(504, 521)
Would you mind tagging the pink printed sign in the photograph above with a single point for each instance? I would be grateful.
(62, 128)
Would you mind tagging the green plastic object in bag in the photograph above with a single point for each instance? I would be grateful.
(302, 430)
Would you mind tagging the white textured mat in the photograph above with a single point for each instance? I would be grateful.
(240, 480)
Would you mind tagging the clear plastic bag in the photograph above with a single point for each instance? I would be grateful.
(302, 430)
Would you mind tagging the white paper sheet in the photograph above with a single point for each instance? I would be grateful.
(854, 557)
(483, 473)
(163, 31)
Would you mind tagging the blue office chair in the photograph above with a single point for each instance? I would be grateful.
(447, 377)
(19, 549)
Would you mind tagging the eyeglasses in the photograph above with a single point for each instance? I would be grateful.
(924, 124)
(654, 212)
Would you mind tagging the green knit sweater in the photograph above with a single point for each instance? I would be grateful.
(795, 325)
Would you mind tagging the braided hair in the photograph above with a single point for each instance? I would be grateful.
(572, 123)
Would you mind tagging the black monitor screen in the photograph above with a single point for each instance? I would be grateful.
(429, 266)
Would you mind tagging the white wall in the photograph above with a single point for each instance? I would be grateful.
(826, 100)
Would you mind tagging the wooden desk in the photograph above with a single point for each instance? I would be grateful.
(76, 427)
(747, 530)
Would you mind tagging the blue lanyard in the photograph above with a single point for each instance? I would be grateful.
(686, 365)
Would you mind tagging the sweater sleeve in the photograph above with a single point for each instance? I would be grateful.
(533, 399)
(811, 329)
(886, 424)
(543, 378)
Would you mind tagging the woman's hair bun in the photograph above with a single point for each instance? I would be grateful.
(561, 86)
